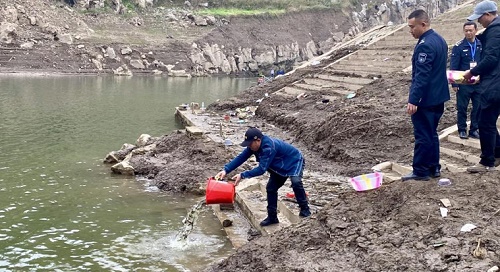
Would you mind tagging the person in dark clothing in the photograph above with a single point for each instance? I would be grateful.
(428, 92)
(281, 160)
(489, 71)
(464, 56)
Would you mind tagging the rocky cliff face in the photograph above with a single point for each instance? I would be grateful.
(179, 42)
(293, 43)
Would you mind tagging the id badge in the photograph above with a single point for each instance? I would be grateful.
(473, 64)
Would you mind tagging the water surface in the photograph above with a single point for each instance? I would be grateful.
(61, 209)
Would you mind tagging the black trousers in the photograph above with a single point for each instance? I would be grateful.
(488, 116)
(465, 94)
(426, 152)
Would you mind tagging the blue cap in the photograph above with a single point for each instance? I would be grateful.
(251, 135)
(482, 8)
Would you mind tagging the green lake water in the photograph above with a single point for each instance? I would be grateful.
(61, 209)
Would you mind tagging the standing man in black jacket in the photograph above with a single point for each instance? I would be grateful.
(428, 92)
(489, 70)
(464, 56)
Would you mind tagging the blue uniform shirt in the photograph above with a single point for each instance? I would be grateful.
(463, 53)
(273, 154)
(429, 85)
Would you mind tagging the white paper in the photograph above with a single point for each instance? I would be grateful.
(467, 227)
(444, 211)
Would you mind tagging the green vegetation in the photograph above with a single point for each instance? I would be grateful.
(254, 7)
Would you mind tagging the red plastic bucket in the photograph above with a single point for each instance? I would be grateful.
(219, 192)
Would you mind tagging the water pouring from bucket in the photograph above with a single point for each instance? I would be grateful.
(190, 220)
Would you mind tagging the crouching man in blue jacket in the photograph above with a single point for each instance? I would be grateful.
(281, 160)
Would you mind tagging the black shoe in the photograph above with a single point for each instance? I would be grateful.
(411, 176)
(474, 134)
(305, 213)
(435, 174)
(463, 135)
(269, 221)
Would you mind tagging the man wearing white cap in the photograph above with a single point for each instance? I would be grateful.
(489, 70)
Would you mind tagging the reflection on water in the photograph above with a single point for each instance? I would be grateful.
(61, 208)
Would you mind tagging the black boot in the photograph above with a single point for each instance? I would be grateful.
(305, 212)
(272, 218)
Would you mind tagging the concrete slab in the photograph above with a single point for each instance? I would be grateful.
(384, 63)
(406, 53)
(466, 142)
(461, 155)
(194, 131)
(452, 167)
(366, 68)
(253, 204)
(401, 169)
(332, 84)
(344, 79)
(238, 231)
(308, 87)
(358, 74)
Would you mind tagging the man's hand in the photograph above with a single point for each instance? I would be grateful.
(237, 179)
(455, 89)
(411, 109)
(221, 175)
(467, 75)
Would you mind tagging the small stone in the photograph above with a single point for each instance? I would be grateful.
(227, 223)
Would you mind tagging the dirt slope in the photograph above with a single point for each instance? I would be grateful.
(396, 228)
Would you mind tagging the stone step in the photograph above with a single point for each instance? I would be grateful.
(465, 142)
(291, 91)
(381, 57)
(406, 53)
(357, 74)
(314, 89)
(308, 87)
(451, 165)
(291, 214)
(460, 155)
(401, 169)
(235, 232)
(253, 205)
(345, 79)
(392, 47)
(349, 68)
(332, 84)
(371, 63)
(396, 41)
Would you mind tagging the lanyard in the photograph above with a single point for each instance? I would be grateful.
(472, 49)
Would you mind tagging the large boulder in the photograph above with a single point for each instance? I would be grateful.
(8, 32)
(10, 15)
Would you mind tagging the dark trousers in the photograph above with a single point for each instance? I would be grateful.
(490, 141)
(275, 182)
(465, 94)
(426, 151)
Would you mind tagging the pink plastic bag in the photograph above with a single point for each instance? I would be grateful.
(457, 77)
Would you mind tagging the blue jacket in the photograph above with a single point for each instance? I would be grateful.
(462, 55)
(429, 85)
(273, 154)
(489, 66)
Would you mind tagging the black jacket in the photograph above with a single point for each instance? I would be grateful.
(489, 66)
(429, 86)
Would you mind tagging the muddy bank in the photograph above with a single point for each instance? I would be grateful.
(181, 164)
(397, 228)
